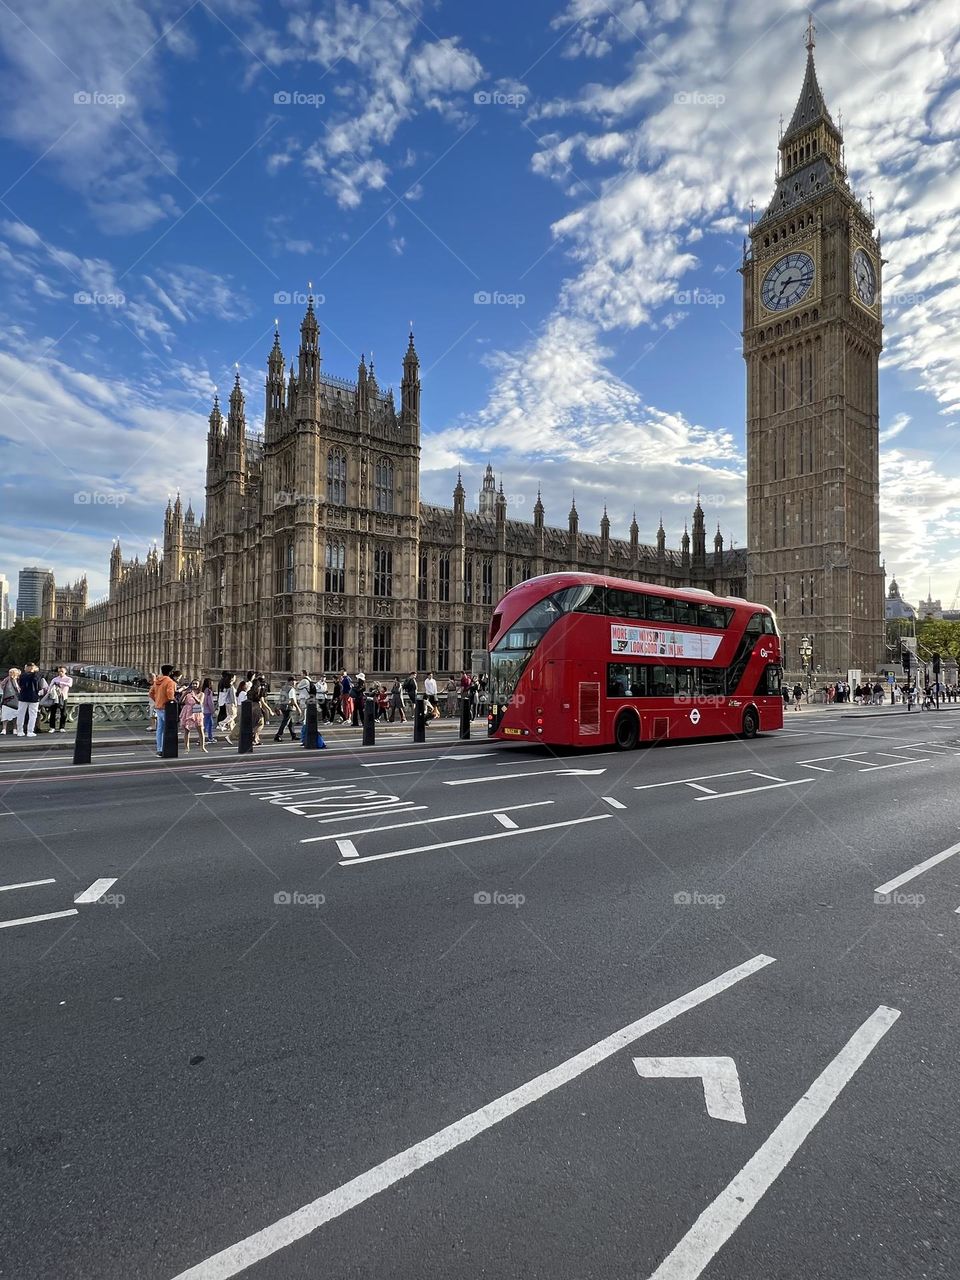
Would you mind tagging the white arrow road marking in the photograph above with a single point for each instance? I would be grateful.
(721, 1081)
(95, 892)
(720, 1219)
(429, 822)
(301, 1222)
(393, 764)
(540, 773)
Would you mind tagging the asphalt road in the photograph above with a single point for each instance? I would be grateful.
(414, 1011)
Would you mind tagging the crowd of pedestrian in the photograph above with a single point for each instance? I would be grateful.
(25, 693)
(208, 713)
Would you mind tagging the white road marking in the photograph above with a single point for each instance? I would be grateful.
(749, 791)
(820, 768)
(721, 1082)
(769, 776)
(347, 849)
(918, 870)
(50, 915)
(95, 892)
(540, 773)
(698, 786)
(497, 835)
(870, 768)
(614, 804)
(505, 821)
(725, 1214)
(393, 764)
(429, 822)
(26, 884)
(846, 756)
(700, 777)
(295, 1226)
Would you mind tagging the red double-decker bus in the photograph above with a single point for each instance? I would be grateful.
(577, 659)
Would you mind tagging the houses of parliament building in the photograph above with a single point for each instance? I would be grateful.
(316, 552)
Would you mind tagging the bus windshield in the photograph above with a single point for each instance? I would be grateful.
(512, 651)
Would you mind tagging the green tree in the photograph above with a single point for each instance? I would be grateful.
(937, 636)
(20, 643)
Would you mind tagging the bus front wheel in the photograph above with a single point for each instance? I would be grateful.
(626, 733)
(751, 723)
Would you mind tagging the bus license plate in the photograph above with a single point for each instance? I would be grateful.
(516, 733)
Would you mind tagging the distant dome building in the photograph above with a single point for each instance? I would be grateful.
(897, 609)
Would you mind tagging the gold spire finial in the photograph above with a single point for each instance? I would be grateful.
(811, 34)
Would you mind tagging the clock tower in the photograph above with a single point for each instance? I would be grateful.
(812, 336)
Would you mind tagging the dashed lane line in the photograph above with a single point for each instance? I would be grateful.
(25, 884)
(429, 822)
(49, 915)
(95, 892)
(614, 804)
(496, 835)
(750, 791)
(302, 1222)
(890, 885)
(506, 821)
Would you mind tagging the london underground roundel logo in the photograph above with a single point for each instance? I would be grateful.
(694, 716)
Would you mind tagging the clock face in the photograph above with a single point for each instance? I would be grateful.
(787, 281)
(864, 278)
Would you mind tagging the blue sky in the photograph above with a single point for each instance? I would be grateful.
(588, 164)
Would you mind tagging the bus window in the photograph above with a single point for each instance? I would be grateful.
(769, 626)
(659, 609)
(662, 682)
(585, 599)
(713, 615)
(755, 627)
(686, 612)
(626, 604)
(686, 681)
(618, 680)
(769, 682)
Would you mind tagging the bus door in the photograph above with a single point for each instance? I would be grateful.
(583, 694)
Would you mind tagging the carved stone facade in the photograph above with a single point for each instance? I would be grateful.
(316, 551)
(62, 615)
(812, 336)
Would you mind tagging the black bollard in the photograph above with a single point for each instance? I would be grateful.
(420, 719)
(369, 722)
(245, 740)
(171, 731)
(311, 735)
(83, 743)
(464, 719)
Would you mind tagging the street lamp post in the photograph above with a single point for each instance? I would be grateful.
(806, 650)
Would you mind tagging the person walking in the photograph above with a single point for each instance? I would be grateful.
(383, 702)
(346, 697)
(359, 693)
(290, 710)
(57, 694)
(396, 701)
(191, 715)
(797, 695)
(262, 710)
(227, 699)
(9, 698)
(209, 700)
(430, 693)
(32, 688)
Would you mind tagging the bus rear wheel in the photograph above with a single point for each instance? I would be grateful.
(626, 732)
(751, 723)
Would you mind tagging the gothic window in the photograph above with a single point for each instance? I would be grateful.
(334, 567)
(486, 587)
(383, 485)
(467, 648)
(443, 649)
(421, 646)
(282, 644)
(337, 477)
(509, 574)
(423, 578)
(283, 574)
(333, 647)
(382, 647)
(383, 571)
(443, 582)
(468, 581)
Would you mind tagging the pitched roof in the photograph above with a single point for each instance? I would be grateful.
(811, 106)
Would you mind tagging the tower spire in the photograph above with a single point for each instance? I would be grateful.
(811, 34)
